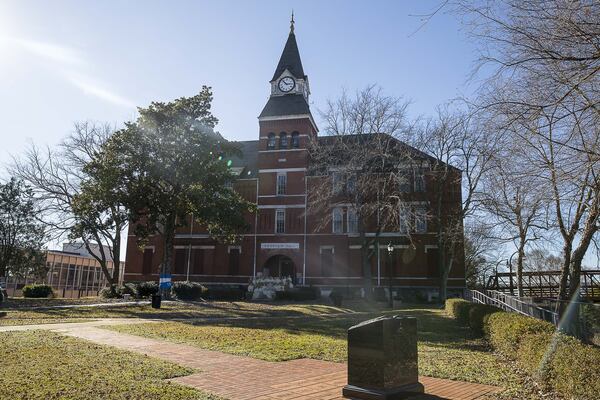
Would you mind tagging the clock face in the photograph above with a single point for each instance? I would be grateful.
(286, 84)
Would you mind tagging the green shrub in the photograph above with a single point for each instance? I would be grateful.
(110, 292)
(478, 315)
(575, 369)
(128, 288)
(186, 290)
(300, 293)
(227, 293)
(146, 289)
(459, 310)
(37, 291)
(506, 330)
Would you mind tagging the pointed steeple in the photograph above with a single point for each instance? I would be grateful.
(290, 58)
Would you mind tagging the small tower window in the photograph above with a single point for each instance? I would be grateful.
(295, 140)
(271, 141)
(279, 221)
(283, 140)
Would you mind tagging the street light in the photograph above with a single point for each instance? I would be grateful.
(390, 250)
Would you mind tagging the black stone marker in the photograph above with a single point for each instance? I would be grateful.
(382, 359)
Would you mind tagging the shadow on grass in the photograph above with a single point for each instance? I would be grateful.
(434, 328)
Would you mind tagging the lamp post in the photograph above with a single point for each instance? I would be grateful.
(390, 250)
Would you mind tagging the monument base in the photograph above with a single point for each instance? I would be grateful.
(402, 392)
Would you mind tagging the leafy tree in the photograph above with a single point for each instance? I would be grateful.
(21, 236)
(171, 164)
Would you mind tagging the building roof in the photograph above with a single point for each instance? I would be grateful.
(245, 164)
(290, 59)
(289, 104)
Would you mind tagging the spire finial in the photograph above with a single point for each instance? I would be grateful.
(292, 23)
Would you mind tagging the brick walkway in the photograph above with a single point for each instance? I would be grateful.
(244, 378)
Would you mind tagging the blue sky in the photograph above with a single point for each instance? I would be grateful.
(66, 61)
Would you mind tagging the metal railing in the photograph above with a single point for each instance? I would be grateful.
(510, 303)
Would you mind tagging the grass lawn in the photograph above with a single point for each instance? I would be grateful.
(46, 365)
(446, 350)
(22, 312)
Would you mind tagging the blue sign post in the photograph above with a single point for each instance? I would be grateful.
(164, 282)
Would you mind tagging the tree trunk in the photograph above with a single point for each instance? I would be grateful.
(117, 255)
(564, 280)
(520, 256)
(168, 243)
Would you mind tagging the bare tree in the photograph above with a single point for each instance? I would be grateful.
(516, 199)
(481, 253)
(361, 165)
(461, 149)
(56, 176)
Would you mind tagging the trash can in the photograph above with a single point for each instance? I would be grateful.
(156, 298)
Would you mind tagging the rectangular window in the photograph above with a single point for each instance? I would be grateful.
(180, 261)
(404, 219)
(197, 261)
(404, 181)
(421, 220)
(352, 221)
(147, 261)
(419, 180)
(337, 221)
(337, 182)
(351, 184)
(280, 221)
(327, 261)
(234, 261)
(281, 183)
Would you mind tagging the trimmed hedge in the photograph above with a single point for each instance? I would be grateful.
(146, 289)
(227, 293)
(37, 291)
(560, 362)
(186, 290)
(506, 330)
(459, 310)
(479, 314)
(300, 293)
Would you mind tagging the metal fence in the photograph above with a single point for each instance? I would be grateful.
(510, 303)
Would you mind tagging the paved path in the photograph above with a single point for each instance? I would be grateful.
(74, 326)
(244, 378)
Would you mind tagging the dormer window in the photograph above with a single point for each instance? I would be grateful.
(295, 140)
(283, 140)
(271, 141)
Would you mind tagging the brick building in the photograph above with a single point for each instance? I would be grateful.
(283, 240)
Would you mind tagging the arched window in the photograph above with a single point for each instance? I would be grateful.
(283, 140)
(271, 141)
(295, 140)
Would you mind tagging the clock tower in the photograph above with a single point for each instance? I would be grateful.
(285, 127)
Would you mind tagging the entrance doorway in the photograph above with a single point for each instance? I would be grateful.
(280, 266)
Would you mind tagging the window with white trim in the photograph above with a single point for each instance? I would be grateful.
(419, 180)
(405, 181)
(337, 221)
(404, 219)
(351, 184)
(280, 221)
(295, 140)
(337, 182)
(421, 219)
(352, 221)
(281, 183)
(283, 140)
(271, 141)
